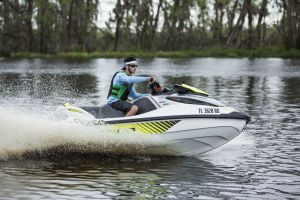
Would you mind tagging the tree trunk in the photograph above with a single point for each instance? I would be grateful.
(6, 45)
(70, 26)
(231, 16)
(216, 22)
(146, 29)
(261, 15)
(29, 25)
(250, 28)
(172, 31)
(291, 24)
(119, 13)
(155, 24)
(234, 35)
(42, 26)
(220, 35)
(16, 25)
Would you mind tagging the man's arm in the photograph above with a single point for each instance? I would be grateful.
(136, 95)
(131, 79)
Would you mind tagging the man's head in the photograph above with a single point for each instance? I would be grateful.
(130, 65)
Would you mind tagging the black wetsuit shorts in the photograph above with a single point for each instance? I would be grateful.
(124, 106)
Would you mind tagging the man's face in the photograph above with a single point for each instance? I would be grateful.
(131, 68)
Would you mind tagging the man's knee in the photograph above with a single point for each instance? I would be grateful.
(134, 108)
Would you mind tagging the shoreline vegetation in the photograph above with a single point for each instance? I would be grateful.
(209, 52)
(149, 29)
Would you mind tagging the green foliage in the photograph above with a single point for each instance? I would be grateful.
(160, 28)
(209, 52)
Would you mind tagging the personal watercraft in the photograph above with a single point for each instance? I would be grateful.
(187, 119)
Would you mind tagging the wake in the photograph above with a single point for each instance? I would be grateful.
(23, 134)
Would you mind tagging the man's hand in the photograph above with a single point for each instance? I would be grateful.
(152, 79)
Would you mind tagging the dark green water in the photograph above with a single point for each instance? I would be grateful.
(261, 163)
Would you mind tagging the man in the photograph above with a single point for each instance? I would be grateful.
(121, 87)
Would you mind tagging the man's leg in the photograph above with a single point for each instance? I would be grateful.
(132, 111)
(126, 107)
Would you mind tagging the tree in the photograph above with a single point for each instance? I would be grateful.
(261, 15)
(29, 13)
(51, 26)
(119, 15)
(290, 23)
(234, 36)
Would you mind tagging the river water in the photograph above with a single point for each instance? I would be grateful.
(263, 162)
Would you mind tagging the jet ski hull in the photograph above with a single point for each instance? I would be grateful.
(182, 125)
(187, 137)
(203, 135)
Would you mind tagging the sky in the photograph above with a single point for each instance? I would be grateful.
(105, 7)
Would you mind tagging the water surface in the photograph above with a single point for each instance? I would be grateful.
(261, 163)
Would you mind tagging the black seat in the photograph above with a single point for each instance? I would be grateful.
(105, 111)
(145, 105)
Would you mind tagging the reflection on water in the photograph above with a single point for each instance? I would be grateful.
(262, 163)
(126, 177)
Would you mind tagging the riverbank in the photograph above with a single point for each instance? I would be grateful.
(211, 52)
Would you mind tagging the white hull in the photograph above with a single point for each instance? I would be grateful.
(187, 137)
(203, 135)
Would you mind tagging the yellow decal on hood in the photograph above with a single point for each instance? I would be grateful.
(156, 127)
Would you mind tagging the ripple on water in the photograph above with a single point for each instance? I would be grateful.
(261, 163)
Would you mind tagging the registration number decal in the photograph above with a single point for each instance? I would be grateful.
(209, 110)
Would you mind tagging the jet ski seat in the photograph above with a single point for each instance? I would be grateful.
(145, 104)
(106, 111)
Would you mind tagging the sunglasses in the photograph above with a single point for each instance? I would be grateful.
(133, 66)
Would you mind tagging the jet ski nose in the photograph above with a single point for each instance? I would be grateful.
(240, 115)
(247, 117)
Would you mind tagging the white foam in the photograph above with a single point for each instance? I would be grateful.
(21, 133)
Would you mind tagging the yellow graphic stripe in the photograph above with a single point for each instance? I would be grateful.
(156, 127)
(169, 123)
(149, 130)
(161, 128)
(141, 129)
(166, 124)
(196, 90)
(165, 128)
